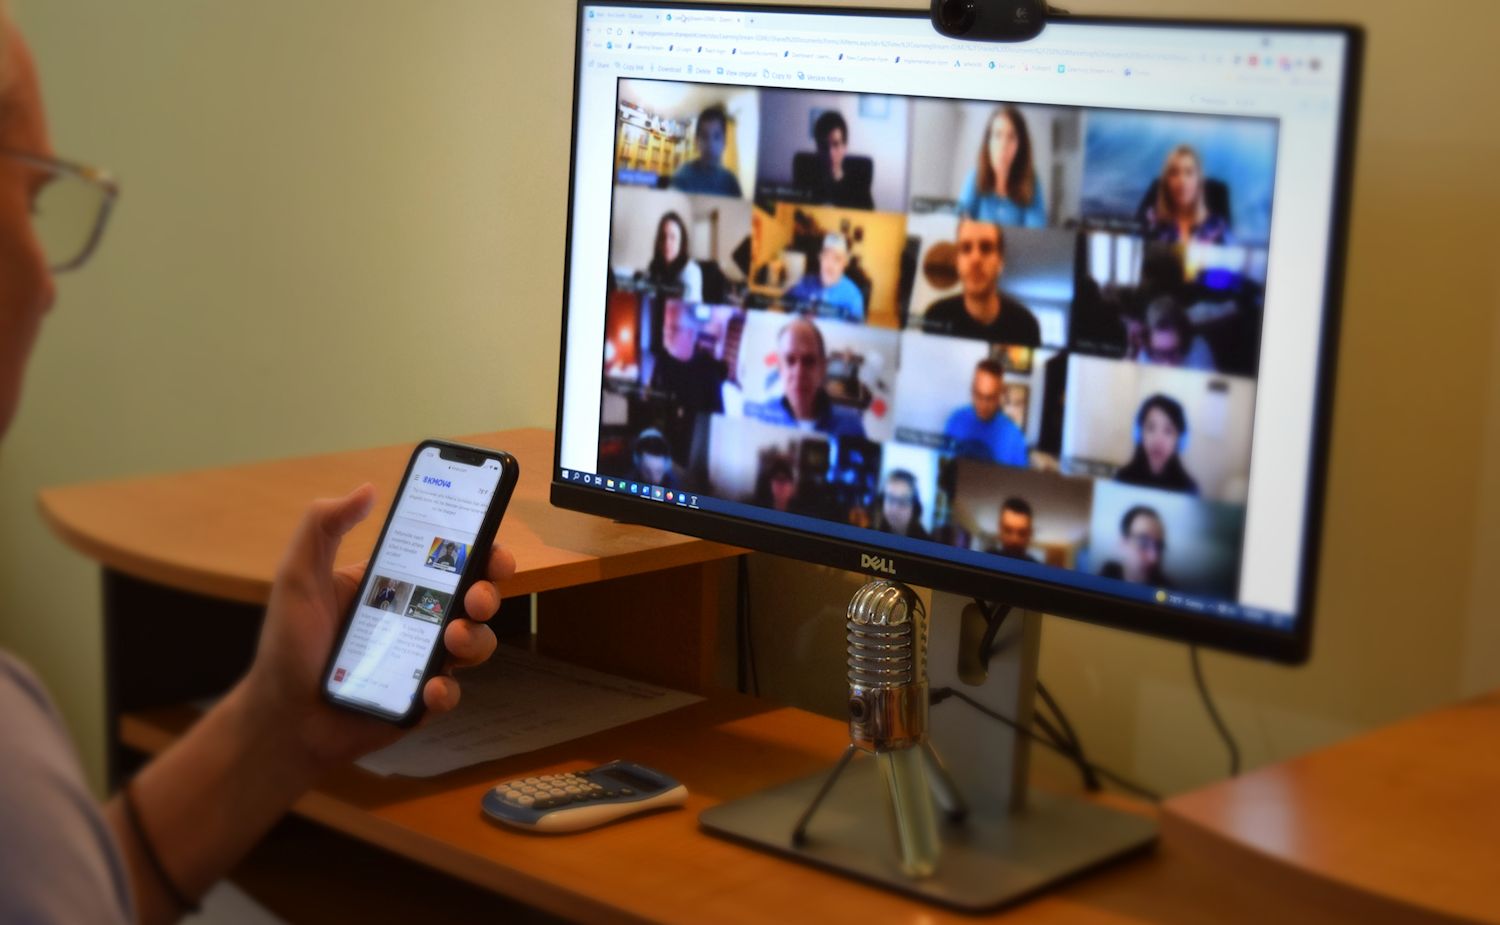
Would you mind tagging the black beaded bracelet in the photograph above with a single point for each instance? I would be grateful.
(133, 813)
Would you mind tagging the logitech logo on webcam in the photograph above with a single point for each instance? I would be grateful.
(441, 483)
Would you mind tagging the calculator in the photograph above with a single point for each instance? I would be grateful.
(577, 800)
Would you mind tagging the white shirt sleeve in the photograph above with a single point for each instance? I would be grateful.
(692, 282)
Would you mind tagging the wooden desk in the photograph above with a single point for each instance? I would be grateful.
(663, 869)
(1401, 822)
(185, 551)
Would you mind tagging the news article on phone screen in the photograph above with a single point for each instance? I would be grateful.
(435, 543)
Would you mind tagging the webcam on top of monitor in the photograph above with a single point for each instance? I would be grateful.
(991, 20)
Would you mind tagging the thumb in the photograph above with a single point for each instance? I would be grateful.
(323, 526)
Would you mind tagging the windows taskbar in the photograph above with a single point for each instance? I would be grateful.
(1190, 603)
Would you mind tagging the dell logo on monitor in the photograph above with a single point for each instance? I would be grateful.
(877, 564)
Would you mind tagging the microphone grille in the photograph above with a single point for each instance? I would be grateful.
(886, 635)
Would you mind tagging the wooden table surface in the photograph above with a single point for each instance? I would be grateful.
(220, 532)
(1403, 818)
(663, 869)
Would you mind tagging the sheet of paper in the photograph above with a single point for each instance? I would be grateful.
(519, 702)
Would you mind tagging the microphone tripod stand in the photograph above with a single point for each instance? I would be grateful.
(888, 702)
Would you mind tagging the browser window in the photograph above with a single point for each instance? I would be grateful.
(1051, 308)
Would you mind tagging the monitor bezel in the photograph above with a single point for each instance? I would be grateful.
(1288, 647)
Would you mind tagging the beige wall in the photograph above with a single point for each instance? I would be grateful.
(317, 193)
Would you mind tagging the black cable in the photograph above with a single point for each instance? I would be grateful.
(1090, 779)
(1124, 783)
(1051, 732)
(739, 629)
(994, 619)
(749, 673)
(1213, 713)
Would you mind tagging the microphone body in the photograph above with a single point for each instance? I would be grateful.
(886, 633)
(887, 648)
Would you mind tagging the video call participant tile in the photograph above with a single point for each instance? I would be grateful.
(830, 148)
(1041, 517)
(969, 399)
(823, 376)
(693, 138)
(1192, 306)
(984, 281)
(1165, 540)
(838, 264)
(694, 248)
(1158, 427)
(791, 471)
(1176, 177)
(1011, 165)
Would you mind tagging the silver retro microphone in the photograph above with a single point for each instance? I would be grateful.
(886, 631)
(887, 646)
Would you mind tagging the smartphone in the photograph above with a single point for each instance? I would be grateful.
(435, 544)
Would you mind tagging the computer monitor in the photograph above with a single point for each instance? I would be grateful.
(1051, 323)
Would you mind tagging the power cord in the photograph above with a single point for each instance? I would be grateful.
(1061, 735)
(1124, 783)
(1067, 736)
(1213, 713)
(994, 619)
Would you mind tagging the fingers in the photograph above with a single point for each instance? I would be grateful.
(469, 643)
(346, 582)
(502, 564)
(441, 694)
(323, 526)
(482, 601)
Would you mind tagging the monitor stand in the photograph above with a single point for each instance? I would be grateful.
(999, 843)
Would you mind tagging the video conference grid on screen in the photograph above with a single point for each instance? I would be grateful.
(1026, 330)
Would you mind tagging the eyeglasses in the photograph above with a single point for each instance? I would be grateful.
(70, 206)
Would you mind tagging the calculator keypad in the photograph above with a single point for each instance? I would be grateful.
(551, 791)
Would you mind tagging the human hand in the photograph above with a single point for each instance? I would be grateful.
(308, 602)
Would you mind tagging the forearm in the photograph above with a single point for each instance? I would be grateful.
(205, 802)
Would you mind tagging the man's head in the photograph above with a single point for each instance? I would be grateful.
(988, 389)
(653, 457)
(1143, 541)
(831, 135)
(1015, 527)
(898, 500)
(26, 287)
(803, 361)
(712, 130)
(833, 259)
(981, 258)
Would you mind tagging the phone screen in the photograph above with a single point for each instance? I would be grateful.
(410, 584)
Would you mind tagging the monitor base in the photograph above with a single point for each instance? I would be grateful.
(998, 842)
(988, 861)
